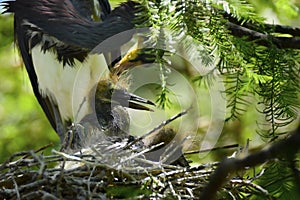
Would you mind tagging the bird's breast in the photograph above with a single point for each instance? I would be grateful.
(68, 86)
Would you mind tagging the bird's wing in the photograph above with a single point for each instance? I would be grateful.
(70, 22)
(66, 24)
(50, 110)
(30, 19)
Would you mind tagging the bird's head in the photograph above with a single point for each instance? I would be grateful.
(109, 93)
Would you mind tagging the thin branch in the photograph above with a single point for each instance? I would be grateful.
(271, 28)
(164, 123)
(16, 188)
(239, 28)
(211, 149)
(249, 183)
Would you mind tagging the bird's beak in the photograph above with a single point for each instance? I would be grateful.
(130, 100)
(135, 100)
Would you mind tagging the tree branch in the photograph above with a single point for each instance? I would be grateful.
(272, 28)
(239, 28)
(264, 39)
(284, 148)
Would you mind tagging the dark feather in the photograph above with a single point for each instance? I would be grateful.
(60, 19)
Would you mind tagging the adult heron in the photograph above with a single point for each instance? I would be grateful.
(55, 38)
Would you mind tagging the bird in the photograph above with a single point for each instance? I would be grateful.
(71, 82)
(109, 119)
(55, 38)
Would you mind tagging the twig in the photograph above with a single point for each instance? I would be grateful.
(48, 196)
(212, 149)
(164, 123)
(249, 183)
(172, 190)
(140, 153)
(40, 161)
(89, 182)
(16, 188)
(72, 158)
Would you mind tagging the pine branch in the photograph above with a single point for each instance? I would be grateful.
(279, 94)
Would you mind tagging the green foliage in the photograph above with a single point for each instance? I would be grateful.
(277, 178)
(240, 9)
(126, 192)
(285, 10)
(267, 73)
(286, 6)
(158, 14)
(163, 99)
(279, 94)
(253, 73)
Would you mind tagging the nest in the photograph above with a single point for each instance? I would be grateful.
(140, 168)
(132, 169)
(104, 172)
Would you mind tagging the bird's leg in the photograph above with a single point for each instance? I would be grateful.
(73, 138)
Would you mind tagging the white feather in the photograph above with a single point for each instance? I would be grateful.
(67, 86)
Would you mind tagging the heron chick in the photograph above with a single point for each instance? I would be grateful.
(109, 119)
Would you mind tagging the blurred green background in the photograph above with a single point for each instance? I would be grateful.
(23, 125)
